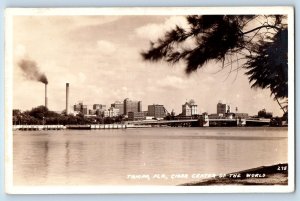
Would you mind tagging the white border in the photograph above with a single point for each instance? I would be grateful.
(11, 12)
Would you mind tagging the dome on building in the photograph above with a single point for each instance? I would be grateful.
(192, 102)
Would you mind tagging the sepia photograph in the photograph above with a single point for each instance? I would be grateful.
(149, 100)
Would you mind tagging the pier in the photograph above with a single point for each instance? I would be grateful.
(97, 126)
(38, 127)
(108, 126)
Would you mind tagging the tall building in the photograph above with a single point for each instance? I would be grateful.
(223, 108)
(84, 109)
(118, 105)
(132, 106)
(189, 108)
(157, 111)
(140, 108)
(186, 109)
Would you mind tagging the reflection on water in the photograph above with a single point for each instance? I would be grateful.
(107, 157)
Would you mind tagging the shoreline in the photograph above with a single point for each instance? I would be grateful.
(264, 175)
(113, 126)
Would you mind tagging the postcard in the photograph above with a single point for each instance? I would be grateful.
(149, 100)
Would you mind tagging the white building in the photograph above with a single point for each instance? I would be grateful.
(113, 112)
(189, 108)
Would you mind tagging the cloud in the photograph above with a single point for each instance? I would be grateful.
(81, 21)
(20, 51)
(105, 47)
(172, 82)
(81, 77)
(153, 31)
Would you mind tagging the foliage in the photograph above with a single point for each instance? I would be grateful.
(254, 42)
(267, 66)
(264, 114)
(41, 115)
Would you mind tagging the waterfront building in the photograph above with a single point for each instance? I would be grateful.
(84, 110)
(157, 111)
(113, 112)
(118, 105)
(136, 116)
(149, 117)
(77, 107)
(105, 113)
(80, 108)
(186, 110)
(229, 116)
(223, 108)
(140, 108)
(215, 116)
(99, 107)
(99, 112)
(92, 112)
(189, 108)
(241, 115)
(132, 106)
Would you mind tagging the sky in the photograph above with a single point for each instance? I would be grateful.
(100, 57)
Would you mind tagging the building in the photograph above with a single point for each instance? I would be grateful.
(99, 112)
(241, 115)
(92, 112)
(132, 106)
(80, 108)
(99, 107)
(215, 116)
(140, 108)
(113, 112)
(145, 113)
(223, 108)
(105, 113)
(189, 108)
(157, 111)
(118, 105)
(84, 110)
(136, 116)
(77, 107)
(186, 109)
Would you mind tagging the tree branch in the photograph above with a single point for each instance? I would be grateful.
(260, 27)
(280, 105)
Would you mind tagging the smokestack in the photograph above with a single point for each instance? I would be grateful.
(46, 98)
(67, 98)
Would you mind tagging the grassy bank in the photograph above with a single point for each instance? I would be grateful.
(264, 175)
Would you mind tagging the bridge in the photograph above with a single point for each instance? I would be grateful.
(163, 121)
(205, 122)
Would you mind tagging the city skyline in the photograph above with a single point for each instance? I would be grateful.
(98, 99)
(100, 57)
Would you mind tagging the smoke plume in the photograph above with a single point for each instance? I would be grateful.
(31, 71)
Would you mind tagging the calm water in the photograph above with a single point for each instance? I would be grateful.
(113, 157)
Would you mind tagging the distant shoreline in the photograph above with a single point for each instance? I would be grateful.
(264, 175)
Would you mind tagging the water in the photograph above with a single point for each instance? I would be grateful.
(117, 156)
